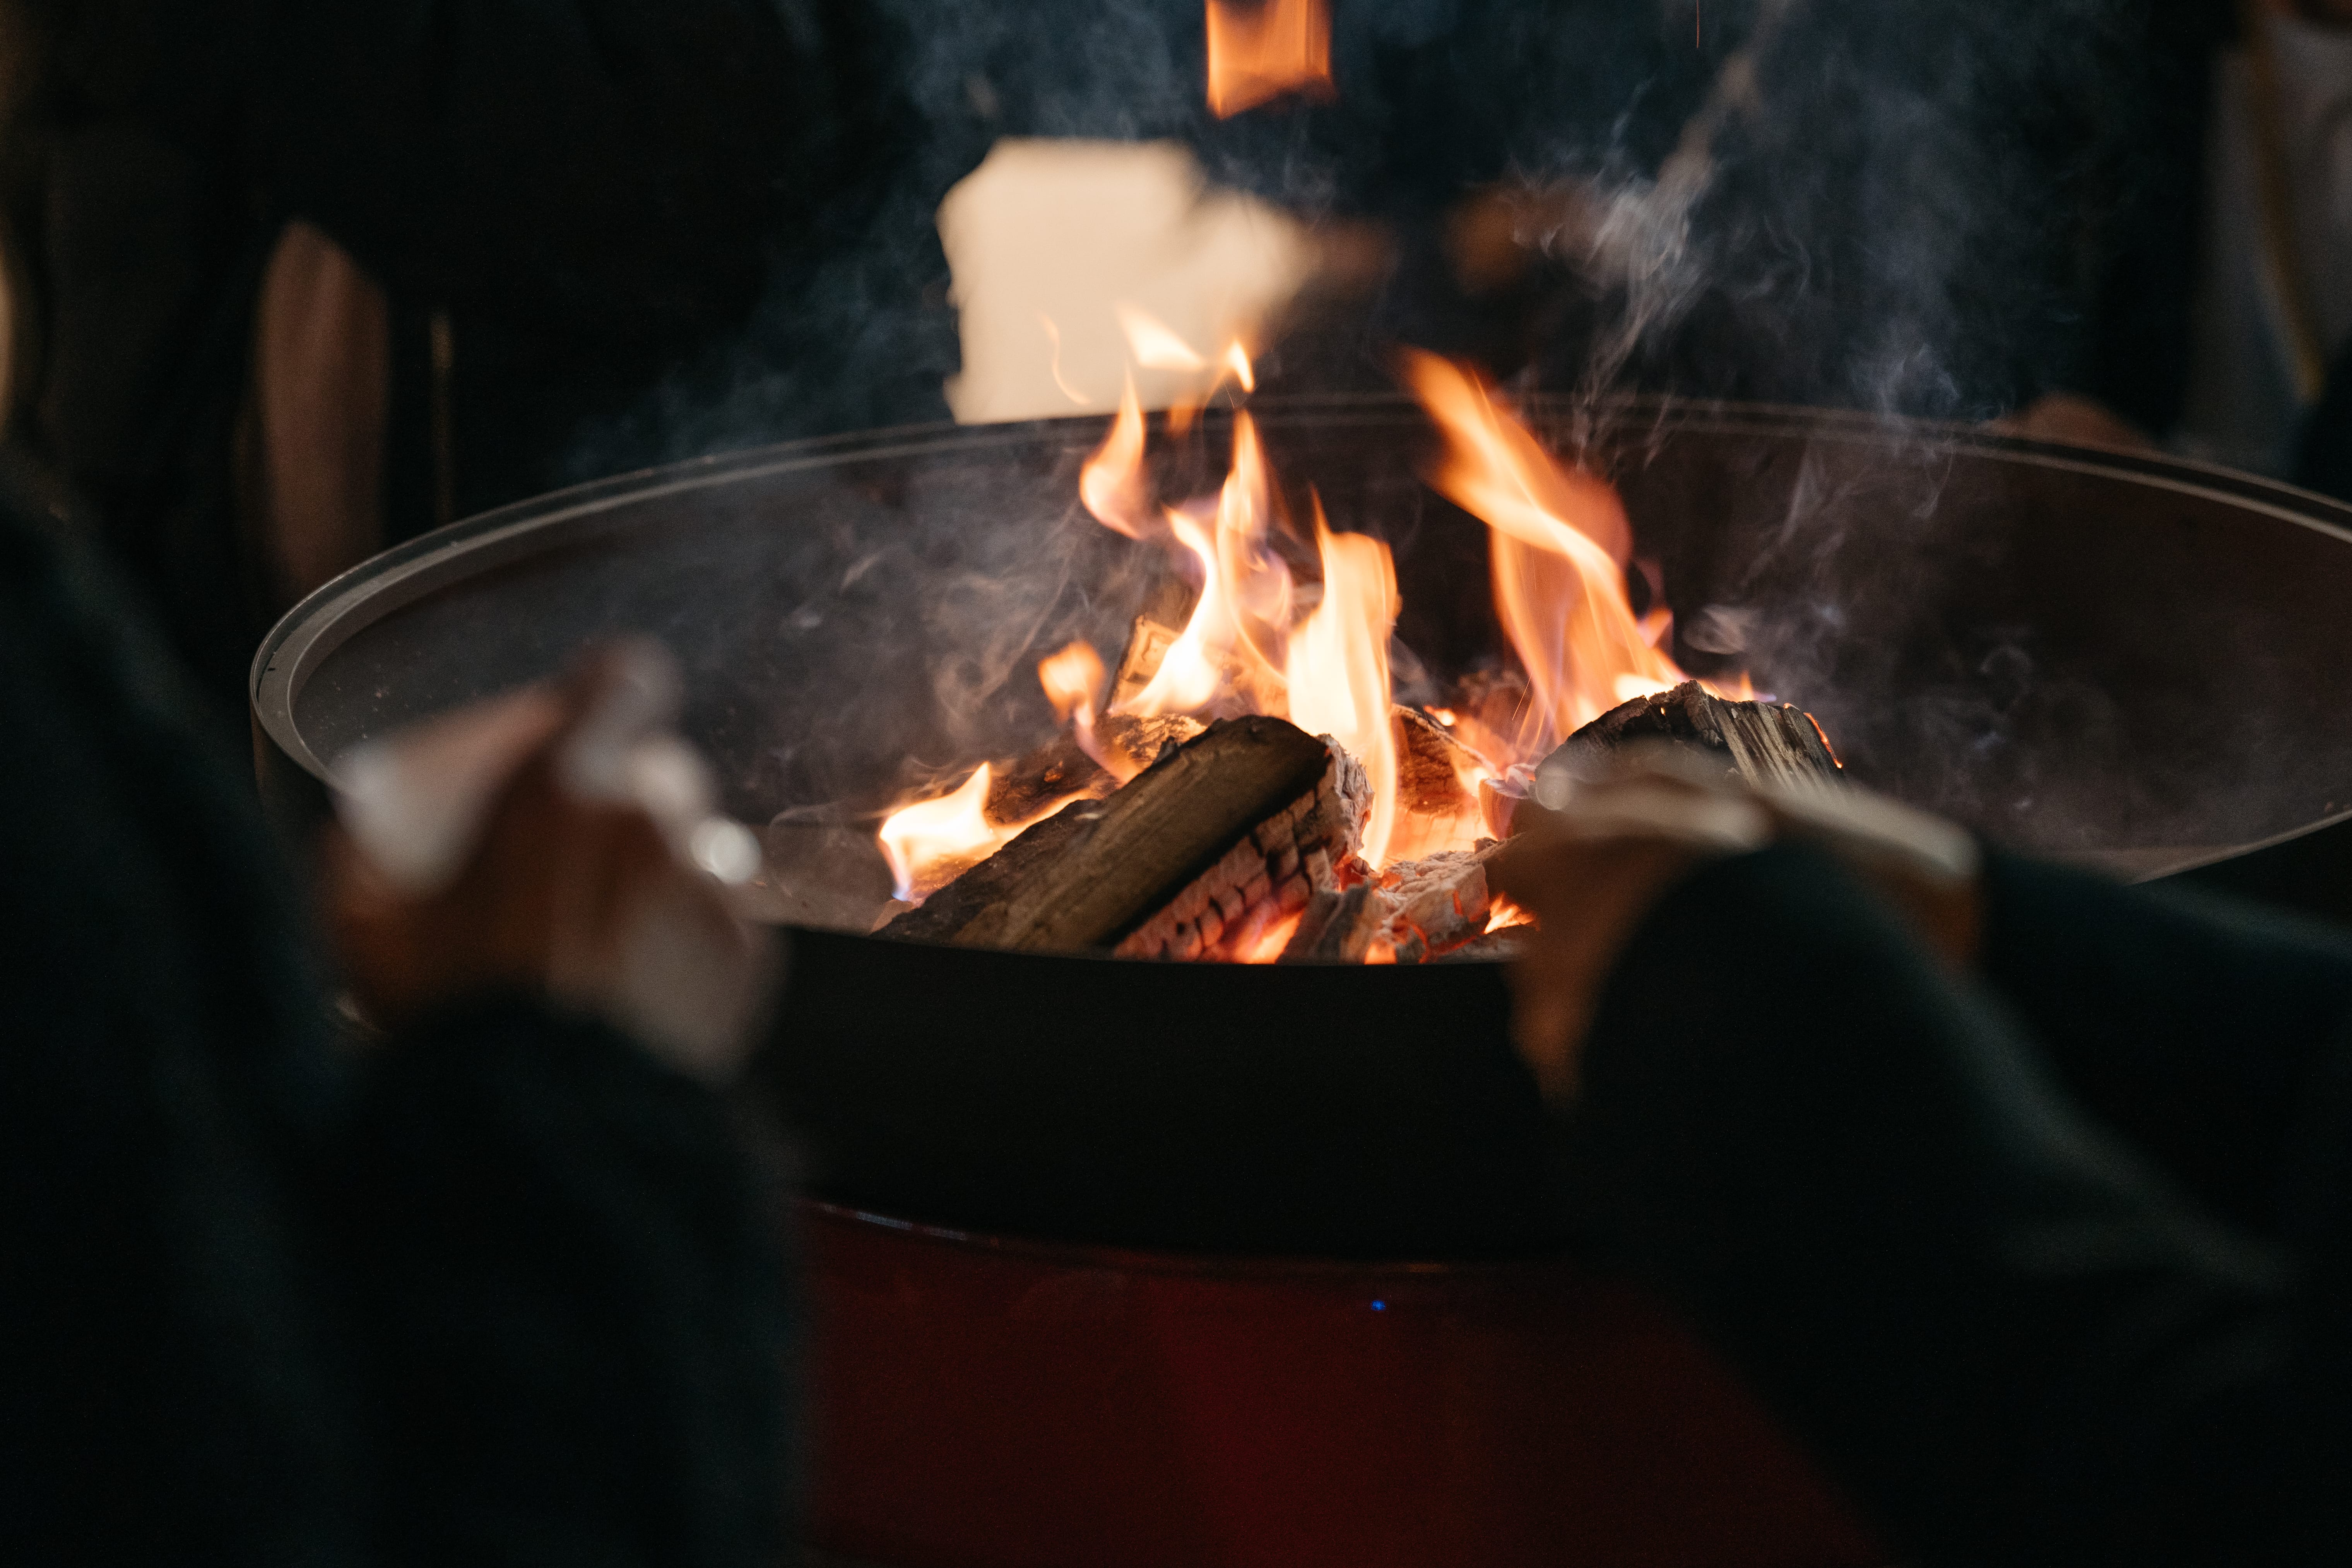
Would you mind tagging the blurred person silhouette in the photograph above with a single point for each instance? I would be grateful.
(290, 283)
(2024, 1197)
(498, 1279)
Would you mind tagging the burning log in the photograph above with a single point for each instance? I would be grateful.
(1763, 742)
(1212, 831)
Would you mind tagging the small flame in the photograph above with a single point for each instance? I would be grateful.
(1071, 679)
(1557, 555)
(1258, 52)
(928, 842)
(1154, 343)
(933, 842)
(1237, 366)
(1337, 667)
(1113, 483)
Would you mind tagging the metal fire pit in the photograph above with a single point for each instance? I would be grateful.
(2125, 659)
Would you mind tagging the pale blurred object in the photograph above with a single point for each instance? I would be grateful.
(1052, 242)
(2275, 299)
(560, 839)
(322, 398)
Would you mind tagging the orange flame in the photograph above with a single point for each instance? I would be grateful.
(1113, 484)
(1337, 667)
(1559, 543)
(1245, 598)
(1259, 52)
(933, 842)
(1071, 679)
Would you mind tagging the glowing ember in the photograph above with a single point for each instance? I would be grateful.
(1259, 51)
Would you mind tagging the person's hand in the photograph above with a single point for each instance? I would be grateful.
(557, 841)
(1591, 865)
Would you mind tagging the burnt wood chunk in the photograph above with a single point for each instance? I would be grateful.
(1148, 642)
(1769, 743)
(1053, 771)
(1434, 905)
(947, 911)
(1337, 928)
(1190, 817)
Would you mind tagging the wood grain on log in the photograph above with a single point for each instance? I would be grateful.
(1766, 743)
(1191, 843)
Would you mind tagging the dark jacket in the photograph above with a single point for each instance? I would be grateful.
(631, 226)
(498, 1290)
(2052, 1264)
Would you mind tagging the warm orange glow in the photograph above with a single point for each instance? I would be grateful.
(940, 835)
(1237, 366)
(1260, 49)
(1557, 555)
(1263, 944)
(1113, 483)
(1072, 678)
(1245, 599)
(933, 842)
(1336, 667)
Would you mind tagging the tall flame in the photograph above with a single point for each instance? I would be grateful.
(1558, 556)
(1245, 597)
(1337, 667)
(1113, 484)
(1259, 51)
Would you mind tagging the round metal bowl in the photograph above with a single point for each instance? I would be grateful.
(2120, 658)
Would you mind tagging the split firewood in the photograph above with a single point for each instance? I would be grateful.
(1436, 806)
(1766, 743)
(1062, 767)
(944, 915)
(1433, 905)
(1139, 741)
(1495, 947)
(1336, 928)
(1273, 870)
(1161, 867)
(1057, 770)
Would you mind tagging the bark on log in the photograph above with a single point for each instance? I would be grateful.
(1763, 743)
(1164, 866)
(1434, 905)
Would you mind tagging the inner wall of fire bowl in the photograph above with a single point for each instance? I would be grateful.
(2073, 657)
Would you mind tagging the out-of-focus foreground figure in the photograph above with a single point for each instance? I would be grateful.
(499, 1283)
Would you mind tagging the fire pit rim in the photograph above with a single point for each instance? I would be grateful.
(347, 604)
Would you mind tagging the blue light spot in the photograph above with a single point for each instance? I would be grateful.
(1379, 1306)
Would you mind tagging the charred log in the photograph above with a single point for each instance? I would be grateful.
(1214, 829)
(1764, 743)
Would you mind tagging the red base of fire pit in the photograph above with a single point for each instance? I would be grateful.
(981, 1402)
